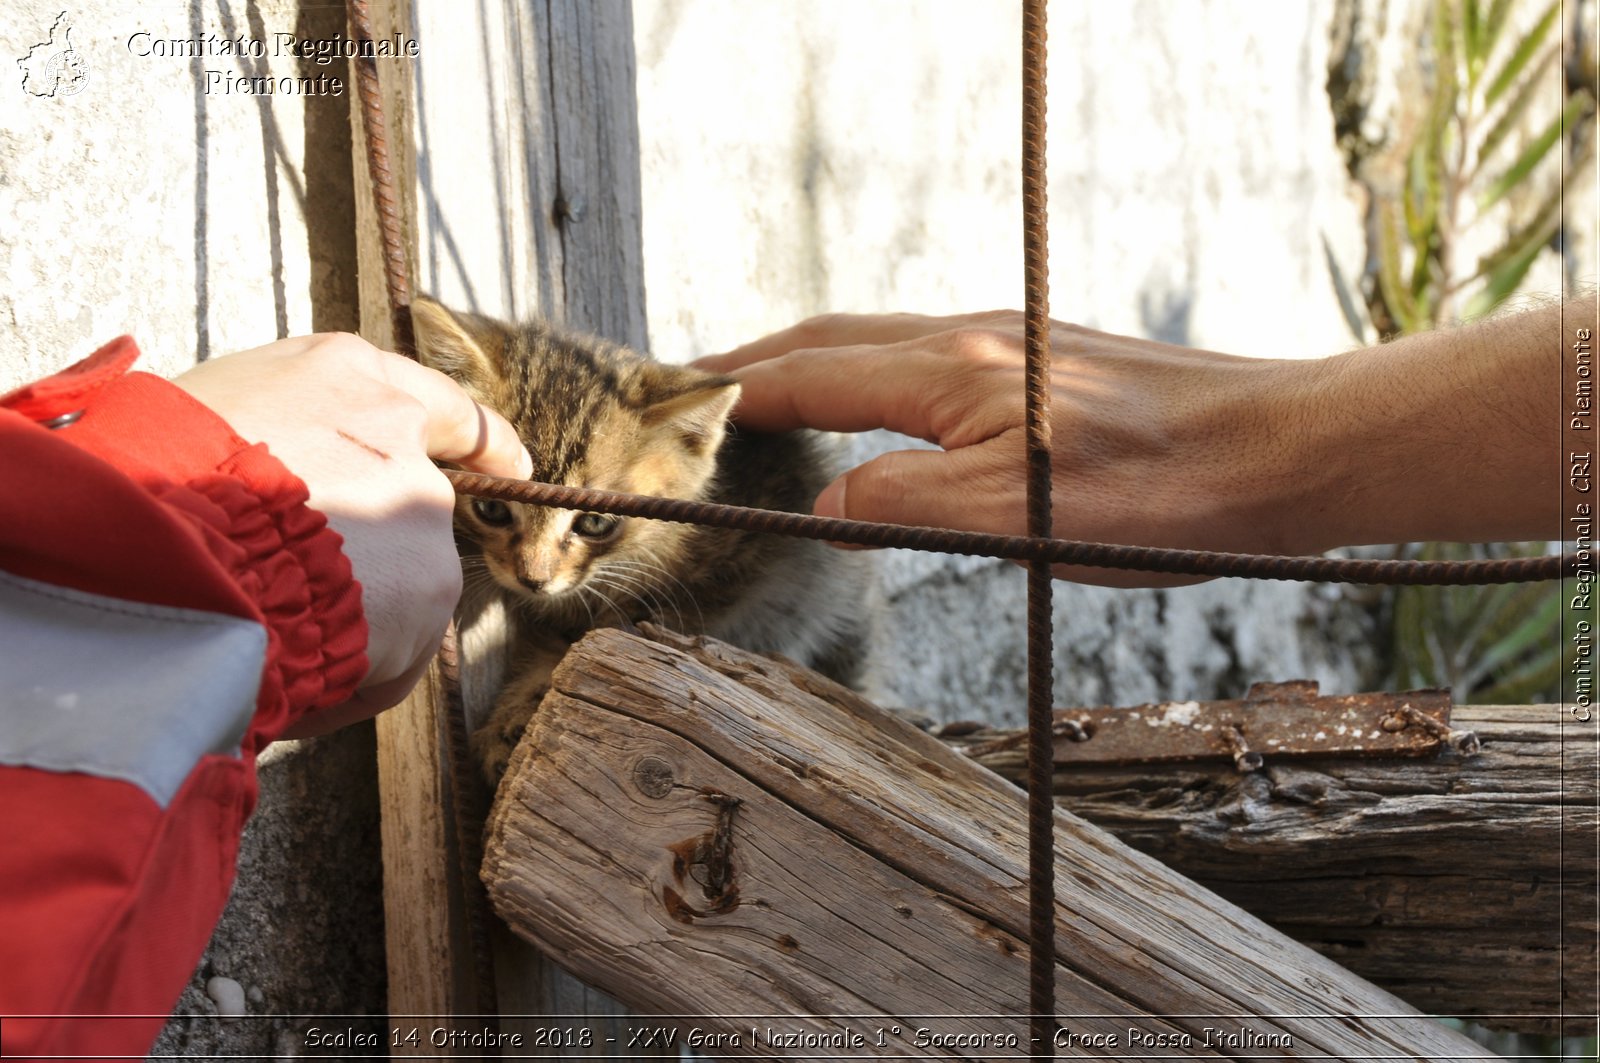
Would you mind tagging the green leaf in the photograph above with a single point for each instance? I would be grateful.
(1445, 35)
(1491, 604)
(1395, 295)
(1410, 202)
(1414, 662)
(1535, 152)
(1444, 41)
(1537, 632)
(1421, 276)
(1493, 24)
(1503, 280)
(1526, 49)
(1437, 133)
(1490, 644)
(1538, 228)
(1471, 39)
(1515, 109)
(1534, 675)
(1421, 197)
(1354, 319)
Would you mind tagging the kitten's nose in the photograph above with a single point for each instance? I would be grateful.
(537, 568)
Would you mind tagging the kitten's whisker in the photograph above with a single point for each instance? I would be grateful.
(615, 609)
(583, 600)
(629, 576)
(597, 580)
(655, 566)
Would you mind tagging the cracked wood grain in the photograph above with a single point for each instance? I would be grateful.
(870, 871)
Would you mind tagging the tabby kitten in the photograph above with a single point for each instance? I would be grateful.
(594, 414)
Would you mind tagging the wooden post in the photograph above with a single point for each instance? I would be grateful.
(708, 833)
(425, 942)
(515, 141)
(1443, 879)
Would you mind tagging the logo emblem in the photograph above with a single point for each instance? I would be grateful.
(53, 68)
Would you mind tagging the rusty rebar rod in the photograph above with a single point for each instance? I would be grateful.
(1041, 770)
(1019, 547)
(465, 799)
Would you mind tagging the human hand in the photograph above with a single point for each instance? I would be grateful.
(1154, 445)
(359, 426)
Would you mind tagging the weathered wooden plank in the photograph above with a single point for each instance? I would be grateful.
(1442, 879)
(865, 870)
(425, 941)
(528, 181)
(598, 201)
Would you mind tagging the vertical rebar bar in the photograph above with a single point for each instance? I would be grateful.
(396, 273)
(1041, 802)
(461, 785)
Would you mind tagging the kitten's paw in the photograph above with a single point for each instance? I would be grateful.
(492, 751)
(494, 742)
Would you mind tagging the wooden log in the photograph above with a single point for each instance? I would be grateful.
(1443, 880)
(733, 840)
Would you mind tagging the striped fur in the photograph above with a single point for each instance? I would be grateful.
(594, 414)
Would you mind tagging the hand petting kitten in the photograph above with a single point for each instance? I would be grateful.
(1444, 435)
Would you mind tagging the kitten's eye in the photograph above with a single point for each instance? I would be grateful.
(492, 511)
(597, 527)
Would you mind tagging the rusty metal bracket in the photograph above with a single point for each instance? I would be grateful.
(1271, 720)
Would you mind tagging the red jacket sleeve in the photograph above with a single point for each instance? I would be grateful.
(168, 604)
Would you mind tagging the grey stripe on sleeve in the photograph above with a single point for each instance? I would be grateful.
(121, 689)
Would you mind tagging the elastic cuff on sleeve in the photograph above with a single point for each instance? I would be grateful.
(253, 515)
(294, 566)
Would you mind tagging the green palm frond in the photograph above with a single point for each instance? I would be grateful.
(1498, 645)
(1512, 114)
(1508, 274)
(1345, 292)
(1492, 25)
(1396, 295)
(1525, 50)
(1536, 151)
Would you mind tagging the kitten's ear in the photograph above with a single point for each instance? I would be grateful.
(698, 417)
(450, 343)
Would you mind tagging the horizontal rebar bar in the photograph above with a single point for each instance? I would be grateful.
(1020, 547)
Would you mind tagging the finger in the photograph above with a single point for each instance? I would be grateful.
(459, 429)
(976, 490)
(967, 490)
(845, 330)
(363, 704)
(942, 389)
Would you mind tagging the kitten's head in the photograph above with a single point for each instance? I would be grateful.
(592, 415)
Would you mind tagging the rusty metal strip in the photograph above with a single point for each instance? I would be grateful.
(1273, 720)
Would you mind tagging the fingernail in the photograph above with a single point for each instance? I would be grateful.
(830, 503)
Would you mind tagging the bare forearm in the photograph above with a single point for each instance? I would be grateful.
(1453, 434)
